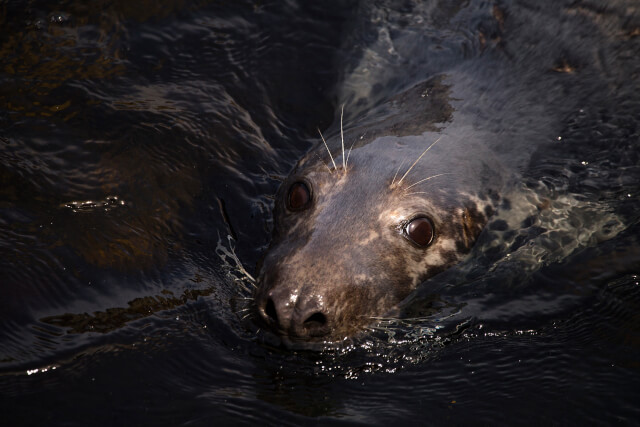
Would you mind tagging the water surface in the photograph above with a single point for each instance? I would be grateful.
(141, 146)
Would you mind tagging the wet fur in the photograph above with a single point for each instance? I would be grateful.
(348, 253)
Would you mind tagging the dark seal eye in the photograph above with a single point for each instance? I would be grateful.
(299, 196)
(420, 231)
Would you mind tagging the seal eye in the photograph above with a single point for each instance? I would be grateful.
(299, 196)
(420, 231)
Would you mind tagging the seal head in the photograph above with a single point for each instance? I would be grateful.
(351, 242)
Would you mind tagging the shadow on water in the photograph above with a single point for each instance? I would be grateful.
(142, 142)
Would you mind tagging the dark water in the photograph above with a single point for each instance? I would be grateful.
(141, 145)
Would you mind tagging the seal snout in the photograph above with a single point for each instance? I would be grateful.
(301, 317)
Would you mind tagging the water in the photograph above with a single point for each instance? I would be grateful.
(136, 137)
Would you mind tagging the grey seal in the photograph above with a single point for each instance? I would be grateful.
(372, 212)
(444, 126)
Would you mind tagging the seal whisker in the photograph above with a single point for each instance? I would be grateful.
(327, 166)
(397, 170)
(350, 148)
(242, 285)
(418, 159)
(329, 151)
(427, 179)
(344, 162)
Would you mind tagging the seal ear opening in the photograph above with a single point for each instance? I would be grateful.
(472, 224)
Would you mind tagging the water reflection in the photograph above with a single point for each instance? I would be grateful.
(136, 136)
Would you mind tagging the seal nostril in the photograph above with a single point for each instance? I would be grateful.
(315, 320)
(270, 311)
